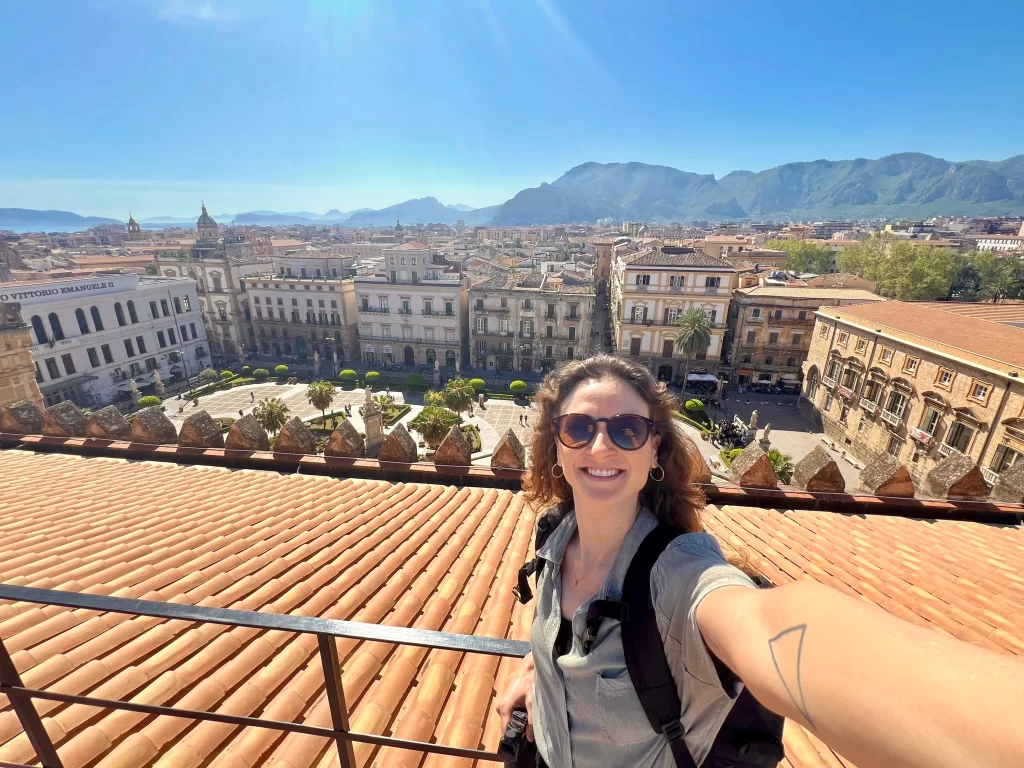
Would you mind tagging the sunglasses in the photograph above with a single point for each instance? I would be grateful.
(627, 430)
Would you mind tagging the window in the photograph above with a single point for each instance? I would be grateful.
(449, 308)
(979, 391)
(164, 308)
(69, 364)
(755, 313)
(192, 327)
(712, 282)
(153, 311)
(945, 378)
(385, 331)
(134, 369)
(769, 360)
(428, 307)
(801, 315)
(58, 331)
(833, 369)
(896, 403)
(128, 348)
(526, 329)
(843, 413)
(97, 321)
(132, 314)
(843, 338)
(872, 391)
(142, 344)
(572, 332)
(481, 325)
(83, 326)
(676, 281)
(746, 358)
(643, 279)
(177, 305)
(570, 353)
(751, 337)
(259, 313)
(959, 436)
(503, 325)
(791, 362)
(773, 337)
(828, 402)
(151, 364)
(895, 446)
(94, 359)
(382, 303)
(188, 304)
(107, 356)
(777, 314)
(479, 303)
(52, 369)
(930, 420)
(887, 354)
(910, 365)
(639, 313)
(428, 334)
(672, 315)
(862, 346)
(823, 330)
(504, 303)
(797, 338)
(527, 304)
(161, 339)
(280, 301)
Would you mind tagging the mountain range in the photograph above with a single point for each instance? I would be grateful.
(902, 185)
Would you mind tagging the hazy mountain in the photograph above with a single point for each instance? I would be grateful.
(462, 207)
(25, 217)
(425, 210)
(908, 184)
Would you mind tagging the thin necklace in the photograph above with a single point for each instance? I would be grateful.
(572, 563)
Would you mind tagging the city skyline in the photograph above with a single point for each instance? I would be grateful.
(154, 106)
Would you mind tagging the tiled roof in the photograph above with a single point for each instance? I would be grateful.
(409, 247)
(968, 339)
(407, 554)
(1007, 312)
(694, 259)
(510, 280)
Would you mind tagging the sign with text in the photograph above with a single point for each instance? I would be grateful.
(39, 293)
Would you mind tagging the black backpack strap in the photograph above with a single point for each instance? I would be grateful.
(545, 527)
(644, 649)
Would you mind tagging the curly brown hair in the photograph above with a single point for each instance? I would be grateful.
(675, 501)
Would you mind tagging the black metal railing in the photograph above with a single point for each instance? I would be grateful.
(326, 630)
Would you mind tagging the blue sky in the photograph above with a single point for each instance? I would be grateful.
(153, 105)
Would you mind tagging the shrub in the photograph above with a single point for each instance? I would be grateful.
(517, 386)
(281, 370)
(208, 376)
(371, 376)
(347, 375)
(694, 405)
(148, 401)
(246, 370)
(472, 433)
(430, 397)
(415, 380)
(225, 422)
(226, 375)
(477, 384)
(728, 455)
(260, 373)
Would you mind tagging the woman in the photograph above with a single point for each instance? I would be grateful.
(878, 690)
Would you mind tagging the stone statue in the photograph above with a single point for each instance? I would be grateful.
(753, 419)
(316, 359)
(767, 431)
(368, 405)
(764, 442)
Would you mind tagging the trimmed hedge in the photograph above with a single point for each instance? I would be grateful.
(517, 386)
(227, 375)
(415, 380)
(281, 370)
(397, 414)
(246, 370)
(148, 401)
(694, 405)
(371, 376)
(260, 373)
(347, 375)
(478, 384)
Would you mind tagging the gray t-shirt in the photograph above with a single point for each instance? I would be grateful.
(585, 710)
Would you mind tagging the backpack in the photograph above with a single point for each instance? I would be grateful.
(750, 737)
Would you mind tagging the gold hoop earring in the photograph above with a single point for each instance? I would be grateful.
(561, 472)
(651, 473)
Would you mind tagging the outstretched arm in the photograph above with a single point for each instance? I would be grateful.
(879, 690)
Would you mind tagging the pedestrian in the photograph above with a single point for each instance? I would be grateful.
(240, 413)
(526, 419)
(520, 419)
(252, 397)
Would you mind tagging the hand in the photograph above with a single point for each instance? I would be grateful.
(519, 692)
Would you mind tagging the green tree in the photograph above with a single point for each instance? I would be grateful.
(226, 374)
(430, 397)
(804, 256)
(781, 463)
(433, 423)
(903, 269)
(693, 336)
(320, 395)
(260, 373)
(148, 401)
(208, 376)
(281, 370)
(458, 395)
(271, 414)
(517, 387)
(347, 375)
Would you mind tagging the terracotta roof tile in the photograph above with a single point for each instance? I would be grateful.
(404, 554)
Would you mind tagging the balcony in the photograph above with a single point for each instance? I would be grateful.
(829, 381)
(400, 341)
(495, 310)
(405, 311)
(844, 392)
(374, 310)
(868, 405)
(892, 419)
(945, 449)
(990, 475)
(924, 438)
(711, 290)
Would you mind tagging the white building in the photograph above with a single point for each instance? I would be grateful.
(92, 336)
(412, 309)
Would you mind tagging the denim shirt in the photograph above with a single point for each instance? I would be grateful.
(585, 710)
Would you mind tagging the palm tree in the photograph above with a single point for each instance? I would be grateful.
(433, 423)
(320, 395)
(781, 463)
(458, 394)
(693, 336)
(271, 414)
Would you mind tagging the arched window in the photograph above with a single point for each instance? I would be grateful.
(131, 312)
(97, 321)
(120, 314)
(58, 332)
(83, 326)
(37, 326)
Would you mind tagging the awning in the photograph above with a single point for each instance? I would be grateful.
(74, 381)
(789, 377)
(745, 371)
(701, 377)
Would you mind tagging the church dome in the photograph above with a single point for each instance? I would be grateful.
(205, 219)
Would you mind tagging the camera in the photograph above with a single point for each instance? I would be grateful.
(515, 750)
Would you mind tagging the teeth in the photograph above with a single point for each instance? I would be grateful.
(603, 472)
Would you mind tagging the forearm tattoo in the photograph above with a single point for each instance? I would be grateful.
(787, 649)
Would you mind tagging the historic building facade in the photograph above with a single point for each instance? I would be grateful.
(652, 288)
(93, 337)
(530, 321)
(918, 383)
